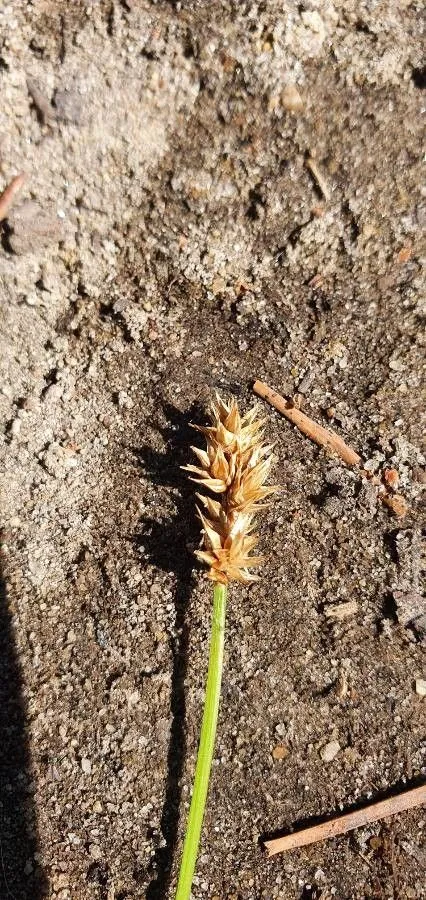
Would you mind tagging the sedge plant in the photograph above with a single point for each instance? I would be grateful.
(233, 470)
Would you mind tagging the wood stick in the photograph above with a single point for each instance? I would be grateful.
(341, 824)
(322, 436)
(9, 194)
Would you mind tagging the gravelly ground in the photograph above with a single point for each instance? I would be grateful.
(170, 241)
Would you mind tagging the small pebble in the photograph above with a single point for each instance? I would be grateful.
(86, 765)
(376, 842)
(291, 99)
(68, 104)
(280, 752)
(421, 687)
(218, 285)
(330, 750)
(391, 477)
(397, 503)
(339, 611)
(404, 254)
(419, 475)
(33, 227)
(15, 427)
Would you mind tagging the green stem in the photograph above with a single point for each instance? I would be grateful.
(206, 746)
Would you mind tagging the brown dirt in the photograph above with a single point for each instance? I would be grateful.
(170, 240)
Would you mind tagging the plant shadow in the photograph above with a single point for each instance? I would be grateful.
(20, 876)
(169, 544)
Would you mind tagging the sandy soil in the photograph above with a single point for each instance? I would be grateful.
(170, 241)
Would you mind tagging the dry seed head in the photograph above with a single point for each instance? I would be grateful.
(234, 467)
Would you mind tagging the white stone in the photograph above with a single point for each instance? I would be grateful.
(330, 751)
(421, 687)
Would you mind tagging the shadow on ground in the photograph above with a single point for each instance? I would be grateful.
(20, 877)
(168, 544)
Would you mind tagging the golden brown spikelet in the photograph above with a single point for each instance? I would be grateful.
(234, 467)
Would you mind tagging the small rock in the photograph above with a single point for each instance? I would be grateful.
(60, 881)
(86, 765)
(124, 401)
(341, 611)
(376, 842)
(53, 393)
(57, 460)
(95, 851)
(45, 112)
(330, 751)
(15, 428)
(404, 254)
(280, 752)
(68, 106)
(421, 687)
(313, 21)
(291, 99)
(218, 285)
(419, 475)
(97, 807)
(397, 503)
(411, 612)
(33, 227)
(391, 477)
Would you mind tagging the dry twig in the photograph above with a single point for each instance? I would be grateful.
(324, 437)
(318, 177)
(9, 194)
(348, 822)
